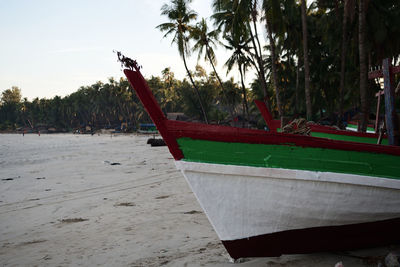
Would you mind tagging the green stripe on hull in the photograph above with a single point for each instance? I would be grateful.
(350, 138)
(291, 157)
(366, 140)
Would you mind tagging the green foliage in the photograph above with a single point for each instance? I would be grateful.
(108, 105)
(11, 96)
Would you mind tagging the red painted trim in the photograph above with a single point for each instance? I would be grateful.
(240, 135)
(274, 124)
(137, 81)
(379, 73)
(271, 123)
(375, 74)
(171, 130)
(395, 69)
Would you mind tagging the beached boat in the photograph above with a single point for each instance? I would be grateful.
(147, 128)
(268, 193)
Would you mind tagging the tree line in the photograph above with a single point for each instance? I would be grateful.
(110, 104)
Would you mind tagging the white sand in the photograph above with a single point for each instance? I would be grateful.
(62, 203)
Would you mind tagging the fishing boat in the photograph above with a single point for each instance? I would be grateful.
(147, 128)
(268, 193)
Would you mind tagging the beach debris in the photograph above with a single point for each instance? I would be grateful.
(111, 163)
(10, 178)
(391, 260)
(156, 142)
(125, 204)
(339, 264)
(73, 220)
(47, 257)
(32, 242)
(40, 178)
(162, 197)
(48, 189)
(192, 212)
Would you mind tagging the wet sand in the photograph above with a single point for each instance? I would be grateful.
(70, 200)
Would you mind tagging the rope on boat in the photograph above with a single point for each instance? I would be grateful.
(297, 126)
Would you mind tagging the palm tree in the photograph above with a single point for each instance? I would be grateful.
(204, 41)
(180, 15)
(242, 61)
(362, 12)
(343, 58)
(236, 16)
(268, 11)
(306, 63)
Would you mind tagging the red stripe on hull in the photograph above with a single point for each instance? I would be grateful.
(318, 239)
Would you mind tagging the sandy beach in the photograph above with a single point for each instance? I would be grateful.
(112, 200)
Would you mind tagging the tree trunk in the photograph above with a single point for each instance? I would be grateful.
(296, 107)
(343, 62)
(273, 66)
(196, 89)
(306, 64)
(220, 84)
(261, 70)
(363, 65)
(245, 105)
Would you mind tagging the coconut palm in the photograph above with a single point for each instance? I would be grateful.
(306, 63)
(362, 13)
(346, 7)
(241, 18)
(271, 8)
(180, 15)
(205, 41)
(239, 45)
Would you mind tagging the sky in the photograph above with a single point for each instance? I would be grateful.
(53, 47)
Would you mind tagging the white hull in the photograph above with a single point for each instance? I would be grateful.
(242, 201)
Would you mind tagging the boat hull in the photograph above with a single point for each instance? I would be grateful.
(268, 211)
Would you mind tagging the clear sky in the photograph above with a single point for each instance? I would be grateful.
(52, 47)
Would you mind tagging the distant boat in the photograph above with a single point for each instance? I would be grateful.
(268, 193)
(147, 128)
